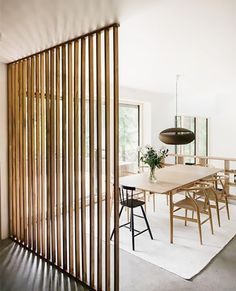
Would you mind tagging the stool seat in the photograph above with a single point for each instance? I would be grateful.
(132, 203)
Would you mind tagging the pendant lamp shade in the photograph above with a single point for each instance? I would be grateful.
(176, 135)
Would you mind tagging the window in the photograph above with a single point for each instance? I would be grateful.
(129, 133)
(199, 147)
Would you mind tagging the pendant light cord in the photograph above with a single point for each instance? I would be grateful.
(176, 95)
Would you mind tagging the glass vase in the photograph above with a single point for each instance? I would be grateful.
(152, 176)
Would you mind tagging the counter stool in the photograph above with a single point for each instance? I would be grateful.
(127, 200)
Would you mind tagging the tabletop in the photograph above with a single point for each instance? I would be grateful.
(169, 178)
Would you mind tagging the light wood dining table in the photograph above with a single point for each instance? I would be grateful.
(169, 180)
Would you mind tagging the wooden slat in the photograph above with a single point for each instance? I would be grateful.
(58, 159)
(99, 161)
(21, 209)
(64, 156)
(43, 149)
(76, 158)
(108, 157)
(38, 158)
(83, 161)
(10, 120)
(91, 157)
(48, 154)
(29, 133)
(116, 156)
(24, 148)
(34, 195)
(70, 161)
(52, 155)
(17, 150)
(13, 151)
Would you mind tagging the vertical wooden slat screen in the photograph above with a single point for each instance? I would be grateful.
(21, 208)
(17, 150)
(10, 102)
(91, 157)
(99, 161)
(76, 158)
(38, 158)
(108, 157)
(116, 154)
(48, 154)
(61, 105)
(83, 162)
(43, 148)
(64, 158)
(29, 133)
(58, 156)
(52, 155)
(70, 161)
(24, 145)
(33, 166)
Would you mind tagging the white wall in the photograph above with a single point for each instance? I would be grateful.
(195, 39)
(3, 151)
(158, 112)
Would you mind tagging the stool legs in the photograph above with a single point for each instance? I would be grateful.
(144, 215)
(119, 217)
(131, 223)
(132, 227)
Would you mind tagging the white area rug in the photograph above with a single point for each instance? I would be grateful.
(186, 257)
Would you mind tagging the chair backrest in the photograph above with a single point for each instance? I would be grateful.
(202, 187)
(126, 193)
(218, 182)
(223, 180)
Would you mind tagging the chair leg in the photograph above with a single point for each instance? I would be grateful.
(218, 212)
(145, 218)
(186, 215)
(210, 218)
(199, 227)
(154, 202)
(132, 228)
(119, 218)
(227, 207)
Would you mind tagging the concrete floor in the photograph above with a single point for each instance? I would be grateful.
(22, 271)
(219, 275)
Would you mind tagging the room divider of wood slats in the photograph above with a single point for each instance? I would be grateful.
(63, 156)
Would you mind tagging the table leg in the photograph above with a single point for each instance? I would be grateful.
(171, 217)
(145, 200)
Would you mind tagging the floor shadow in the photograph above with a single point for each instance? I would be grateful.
(21, 270)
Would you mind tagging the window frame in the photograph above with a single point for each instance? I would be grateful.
(139, 105)
(195, 119)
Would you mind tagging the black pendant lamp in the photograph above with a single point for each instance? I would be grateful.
(176, 135)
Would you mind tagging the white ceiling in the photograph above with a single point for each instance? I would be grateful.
(28, 26)
(158, 38)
